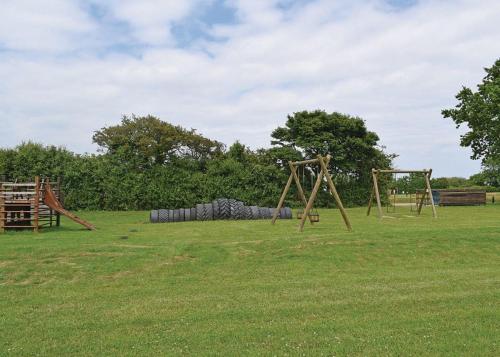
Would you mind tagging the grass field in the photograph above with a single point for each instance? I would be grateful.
(404, 286)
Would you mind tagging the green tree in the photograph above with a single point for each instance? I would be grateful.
(489, 176)
(151, 141)
(480, 112)
(354, 149)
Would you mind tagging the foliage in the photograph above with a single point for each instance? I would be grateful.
(489, 176)
(152, 141)
(147, 163)
(480, 112)
(353, 148)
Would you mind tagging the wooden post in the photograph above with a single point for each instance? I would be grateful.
(311, 200)
(60, 198)
(333, 190)
(422, 199)
(370, 201)
(282, 199)
(377, 193)
(293, 169)
(3, 214)
(36, 204)
(428, 184)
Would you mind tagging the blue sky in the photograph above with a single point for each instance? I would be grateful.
(234, 69)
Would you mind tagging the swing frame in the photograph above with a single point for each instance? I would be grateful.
(323, 173)
(376, 194)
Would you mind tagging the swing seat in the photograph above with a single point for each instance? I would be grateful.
(314, 216)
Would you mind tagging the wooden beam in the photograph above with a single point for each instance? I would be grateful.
(36, 203)
(428, 184)
(293, 169)
(372, 194)
(60, 198)
(282, 199)
(388, 171)
(305, 162)
(377, 193)
(333, 190)
(311, 201)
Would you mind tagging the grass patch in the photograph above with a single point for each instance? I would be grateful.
(403, 286)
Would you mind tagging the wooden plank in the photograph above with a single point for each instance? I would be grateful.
(26, 226)
(18, 193)
(333, 190)
(36, 203)
(2, 208)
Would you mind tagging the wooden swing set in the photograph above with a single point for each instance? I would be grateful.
(427, 192)
(323, 173)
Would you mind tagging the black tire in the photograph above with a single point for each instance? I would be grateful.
(263, 212)
(163, 215)
(224, 208)
(215, 208)
(236, 209)
(210, 211)
(204, 212)
(153, 216)
(170, 217)
(247, 212)
(271, 211)
(255, 212)
(177, 215)
(282, 214)
(288, 213)
(187, 214)
(193, 214)
(200, 212)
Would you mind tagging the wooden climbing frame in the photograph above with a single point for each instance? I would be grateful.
(323, 173)
(33, 205)
(376, 192)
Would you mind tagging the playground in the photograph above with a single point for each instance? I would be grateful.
(402, 286)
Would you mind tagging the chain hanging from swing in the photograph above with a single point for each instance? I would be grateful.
(313, 213)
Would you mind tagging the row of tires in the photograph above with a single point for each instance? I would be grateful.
(221, 208)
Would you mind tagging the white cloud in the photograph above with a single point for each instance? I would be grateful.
(151, 20)
(51, 25)
(396, 69)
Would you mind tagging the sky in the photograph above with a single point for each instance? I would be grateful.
(234, 69)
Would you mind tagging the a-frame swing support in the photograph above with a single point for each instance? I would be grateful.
(323, 173)
(376, 193)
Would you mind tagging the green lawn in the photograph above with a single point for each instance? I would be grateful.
(405, 286)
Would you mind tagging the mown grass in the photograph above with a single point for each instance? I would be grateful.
(403, 286)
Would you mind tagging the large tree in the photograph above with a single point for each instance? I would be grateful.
(480, 112)
(354, 149)
(151, 140)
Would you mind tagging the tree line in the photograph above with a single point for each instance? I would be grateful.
(146, 163)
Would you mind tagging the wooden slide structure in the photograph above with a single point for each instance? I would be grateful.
(50, 199)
